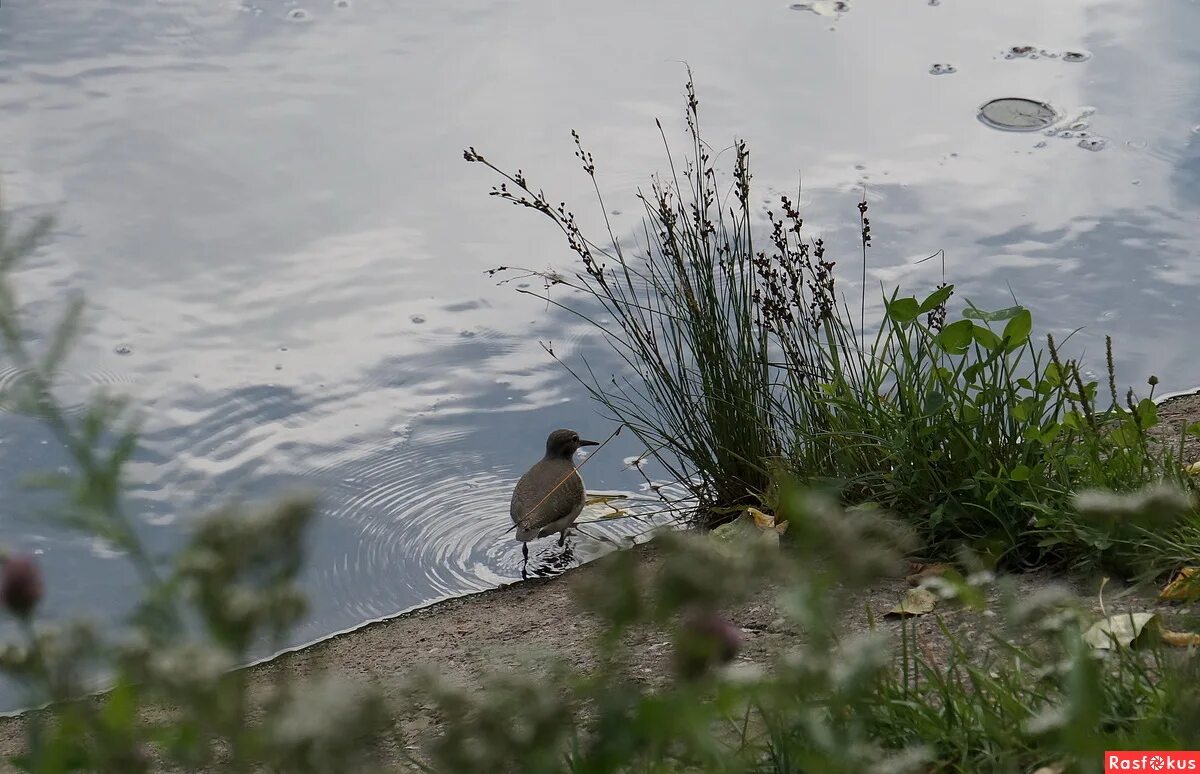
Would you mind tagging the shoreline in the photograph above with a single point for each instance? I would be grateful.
(464, 637)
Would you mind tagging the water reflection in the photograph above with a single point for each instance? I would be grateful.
(271, 213)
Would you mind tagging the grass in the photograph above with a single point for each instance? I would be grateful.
(743, 362)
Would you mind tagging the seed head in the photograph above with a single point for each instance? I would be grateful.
(21, 586)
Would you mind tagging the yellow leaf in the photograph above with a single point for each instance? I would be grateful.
(915, 602)
(922, 571)
(761, 520)
(602, 499)
(1193, 469)
(1184, 587)
(781, 526)
(1180, 639)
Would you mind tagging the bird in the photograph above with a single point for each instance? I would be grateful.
(550, 496)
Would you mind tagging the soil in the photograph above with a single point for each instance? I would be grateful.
(466, 637)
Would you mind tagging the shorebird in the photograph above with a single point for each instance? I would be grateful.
(549, 497)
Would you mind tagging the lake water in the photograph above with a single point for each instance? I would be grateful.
(284, 253)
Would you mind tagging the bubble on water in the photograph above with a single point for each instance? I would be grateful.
(1049, 54)
(1018, 51)
(942, 69)
(417, 319)
(1135, 182)
(1017, 114)
(1078, 126)
(299, 15)
(1076, 56)
(1137, 143)
(1040, 144)
(283, 349)
(341, 3)
(466, 334)
(123, 349)
(1093, 143)
(279, 366)
(860, 167)
(935, 2)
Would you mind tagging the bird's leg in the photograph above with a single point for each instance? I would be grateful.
(525, 560)
(562, 538)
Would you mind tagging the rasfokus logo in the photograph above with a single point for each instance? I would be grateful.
(1151, 760)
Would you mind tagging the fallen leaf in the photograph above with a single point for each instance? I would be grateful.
(761, 520)
(1119, 630)
(744, 527)
(781, 526)
(1184, 587)
(1193, 469)
(1180, 639)
(915, 602)
(922, 571)
(602, 499)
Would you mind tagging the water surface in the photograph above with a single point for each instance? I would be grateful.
(284, 253)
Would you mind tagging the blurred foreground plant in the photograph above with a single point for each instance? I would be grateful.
(1031, 693)
(176, 696)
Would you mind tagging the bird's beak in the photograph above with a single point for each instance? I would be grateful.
(588, 443)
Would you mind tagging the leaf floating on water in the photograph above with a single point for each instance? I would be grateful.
(1184, 587)
(916, 601)
(1180, 639)
(1121, 630)
(602, 499)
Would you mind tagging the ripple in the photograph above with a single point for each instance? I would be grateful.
(73, 389)
(421, 518)
(1017, 114)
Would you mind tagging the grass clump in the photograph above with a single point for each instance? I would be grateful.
(742, 361)
(1033, 694)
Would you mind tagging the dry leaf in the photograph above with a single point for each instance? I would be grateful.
(1180, 639)
(915, 602)
(1184, 587)
(745, 527)
(602, 499)
(1119, 630)
(781, 526)
(761, 520)
(922, 571)
(1193, 469)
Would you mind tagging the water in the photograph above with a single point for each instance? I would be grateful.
(284, 253)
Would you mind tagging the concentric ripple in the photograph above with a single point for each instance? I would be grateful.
(73, 389)
(419, 524)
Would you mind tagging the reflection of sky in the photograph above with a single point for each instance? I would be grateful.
(275, 217)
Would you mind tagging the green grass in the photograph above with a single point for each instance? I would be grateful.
(742, 361)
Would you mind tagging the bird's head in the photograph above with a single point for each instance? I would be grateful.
(563, 444)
